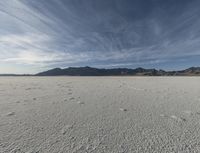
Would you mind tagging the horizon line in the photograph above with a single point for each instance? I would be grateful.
(31, 74)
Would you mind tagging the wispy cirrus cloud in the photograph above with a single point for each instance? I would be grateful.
(42, 34)
(32, 49)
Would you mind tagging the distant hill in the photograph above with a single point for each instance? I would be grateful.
(90, 71)
(16, 75)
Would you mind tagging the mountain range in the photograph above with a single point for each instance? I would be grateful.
(90, 71)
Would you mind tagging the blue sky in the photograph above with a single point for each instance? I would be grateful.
(37, 35)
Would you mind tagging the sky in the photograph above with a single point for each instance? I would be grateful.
(37, 35)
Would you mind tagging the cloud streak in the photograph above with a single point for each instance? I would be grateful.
(43, 34)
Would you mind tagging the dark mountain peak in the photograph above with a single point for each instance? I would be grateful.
(56, 69)
(52, 72)
(193, 69)
(140, 68)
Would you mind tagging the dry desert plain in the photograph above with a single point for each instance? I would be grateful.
(99, 114)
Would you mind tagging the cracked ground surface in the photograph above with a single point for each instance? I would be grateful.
(99, 114)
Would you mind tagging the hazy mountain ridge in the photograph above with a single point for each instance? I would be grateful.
(16, 75)
(90, 71)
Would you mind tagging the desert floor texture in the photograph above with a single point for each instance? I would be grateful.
(99, 114)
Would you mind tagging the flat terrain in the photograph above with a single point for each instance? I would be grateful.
(99, 114)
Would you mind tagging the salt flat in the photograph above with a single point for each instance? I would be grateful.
(99, 114)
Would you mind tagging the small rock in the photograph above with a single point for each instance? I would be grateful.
(198, 113)
(123, 109)
(66, 128)
(10, 114)
(183, 119)
(163, 115)
(174, 117)
(80, 102)
(177, 118)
